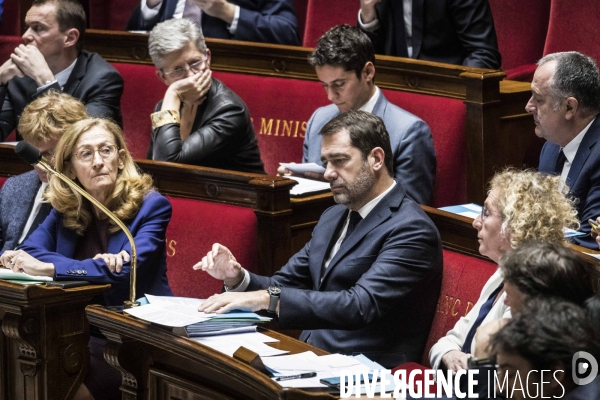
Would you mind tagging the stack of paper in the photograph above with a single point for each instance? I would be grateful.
(179, 312)
(231, 322)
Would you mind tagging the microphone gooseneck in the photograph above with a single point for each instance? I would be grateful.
(32, 156)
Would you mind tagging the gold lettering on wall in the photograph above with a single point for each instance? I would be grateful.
(279, 127)
(455, 312)
(170, 247)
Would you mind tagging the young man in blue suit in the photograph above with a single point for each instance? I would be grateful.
(565, 103)
(369, 279)
(344, 61)
(267, 21)
(52, 57)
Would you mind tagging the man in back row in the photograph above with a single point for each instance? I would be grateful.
(52, 58)
(267, 21)
(369, 279)
(344, 61)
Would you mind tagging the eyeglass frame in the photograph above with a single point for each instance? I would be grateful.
(184, 70)
(115, 150)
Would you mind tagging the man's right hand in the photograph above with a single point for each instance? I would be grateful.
(367, 10)
(9, 70)
(455, 360)
(221, 264)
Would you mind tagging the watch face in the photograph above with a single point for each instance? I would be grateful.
(274, 291)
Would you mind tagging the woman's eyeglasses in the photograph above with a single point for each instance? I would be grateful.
(86, 155)
(180, 72)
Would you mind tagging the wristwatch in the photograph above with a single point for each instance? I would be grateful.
(274, 293)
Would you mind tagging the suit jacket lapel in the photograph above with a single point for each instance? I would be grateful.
(380, 213)
(323, 240)
(417, 27)
(77, 74)
(585, 148)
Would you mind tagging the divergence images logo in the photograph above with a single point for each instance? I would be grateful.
(584, 367)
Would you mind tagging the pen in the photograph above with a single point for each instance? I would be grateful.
(299, 376)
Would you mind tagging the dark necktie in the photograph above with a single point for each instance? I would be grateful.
(401, 49)
(192, 12)
(483, 312)
(45, 209)
(560, 163)
(355, 218)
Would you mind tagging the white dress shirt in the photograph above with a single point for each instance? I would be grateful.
(37, 204)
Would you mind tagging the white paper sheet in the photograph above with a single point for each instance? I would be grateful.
(305, 186)
(302, 168)
(228, 344)
(168, 315)
(8, 274)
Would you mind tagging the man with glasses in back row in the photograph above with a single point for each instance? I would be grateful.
(199, 121)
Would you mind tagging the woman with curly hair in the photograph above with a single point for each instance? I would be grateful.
(520, 206)
(78, 242)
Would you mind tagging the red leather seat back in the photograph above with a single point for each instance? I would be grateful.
(280, 109)
(521, 27)
(111, 15)
(300, 8)
(446, 118)
(142, 91)
(194, 227)
(574, 27)
(11, 19)
(2, 180)
(464, 277)
(323, 15)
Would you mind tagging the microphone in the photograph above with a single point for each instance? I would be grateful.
(32, 156)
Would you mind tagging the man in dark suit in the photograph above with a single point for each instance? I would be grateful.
(565, 103)
(369, 279)
(52, 58)
(22, 206)
(267, 21)
(448, 31)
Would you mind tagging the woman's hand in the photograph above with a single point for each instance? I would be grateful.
(114, 262)
(455, 360)
(20, 261)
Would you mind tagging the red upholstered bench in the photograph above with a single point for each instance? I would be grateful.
(280, 109)
(521, 28)
(324, 15)
(7, 45)
(463, 279)
(142, 91)
(194, 227)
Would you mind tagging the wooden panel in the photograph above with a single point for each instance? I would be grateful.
(173, 365)
(44, 340)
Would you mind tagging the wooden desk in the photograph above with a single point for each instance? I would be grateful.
(156, 364)
(44, 339)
